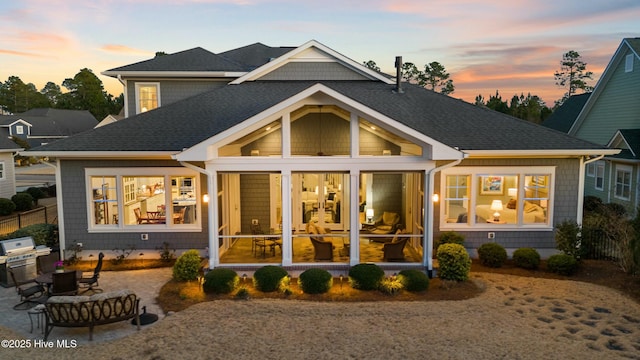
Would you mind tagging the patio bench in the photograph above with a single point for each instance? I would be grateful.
(89, 311)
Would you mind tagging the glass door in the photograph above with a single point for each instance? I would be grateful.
(321, 199)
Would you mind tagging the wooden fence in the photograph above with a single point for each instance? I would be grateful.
(42, 215)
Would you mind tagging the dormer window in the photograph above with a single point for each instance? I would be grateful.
(19, 130)
(147, 97)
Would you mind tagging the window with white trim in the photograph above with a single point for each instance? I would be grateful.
(599, 183)
(623, 182)
(19, 129)
(591, 170)
(1, 170)
(135, 198)
(147, 96)
(508, 197)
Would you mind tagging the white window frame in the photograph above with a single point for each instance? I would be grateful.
(146, 84)
(475, 172)
(599, 175)
(627, 170)
(2, 170)
(123, 173)
(19, 129)
(628, 63)
(591, 170)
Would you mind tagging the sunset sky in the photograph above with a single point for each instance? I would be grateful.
(511, 46)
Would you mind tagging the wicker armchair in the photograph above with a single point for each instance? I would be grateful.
(394, 251)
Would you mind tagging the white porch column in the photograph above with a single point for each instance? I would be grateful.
(212, 188)
(354, 218)
(427, 220)
(287, 221)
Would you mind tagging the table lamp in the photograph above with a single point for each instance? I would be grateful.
(369, 215)
(496, 206)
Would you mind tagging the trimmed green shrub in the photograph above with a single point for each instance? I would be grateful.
(23, 201)
(365, 276)
(315, 281)
(6, 207)
(492, 255)
(562, 264)
(390, 286)
(526, 258)
(268, 278)
(42, 234)
(36, 194)
(414, 280)
(187, 266)
(451, 237)
(568, 238)
(220, 281)
(454, 262)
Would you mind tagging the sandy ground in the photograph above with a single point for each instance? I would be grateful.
(515, 318)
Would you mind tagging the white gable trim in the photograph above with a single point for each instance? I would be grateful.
(312, 51)
(618, 137)
(207, 149)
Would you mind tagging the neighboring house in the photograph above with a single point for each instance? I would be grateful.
(611, 116)
(8, 149)
(111, 119)
(43, 125)
(304, 135)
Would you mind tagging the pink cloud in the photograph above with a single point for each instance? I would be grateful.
(19, 53)
(123, 49)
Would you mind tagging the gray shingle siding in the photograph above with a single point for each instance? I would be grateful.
(75, 208)
(565, 205)
(617, 106)
(172, 90)
(255, 201)
(312, 71)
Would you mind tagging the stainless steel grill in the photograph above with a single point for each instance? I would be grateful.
(20, 256)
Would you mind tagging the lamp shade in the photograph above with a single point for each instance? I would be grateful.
(496, 205)
(513, 192)
(369, 213)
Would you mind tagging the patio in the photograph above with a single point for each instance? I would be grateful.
(145, 283)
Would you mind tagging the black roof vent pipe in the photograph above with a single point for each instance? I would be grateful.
(399, 74)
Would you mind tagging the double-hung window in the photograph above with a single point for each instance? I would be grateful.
(133, 198)
(147, 97)
(506, 197)
(599, 181)
(623, 182)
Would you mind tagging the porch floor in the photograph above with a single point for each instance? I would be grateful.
(241, 252)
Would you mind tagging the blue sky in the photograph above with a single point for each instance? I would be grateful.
(511, 46)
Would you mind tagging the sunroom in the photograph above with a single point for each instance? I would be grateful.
(319, 170)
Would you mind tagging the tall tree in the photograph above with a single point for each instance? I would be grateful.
(86, 93)
(572, 74)
(52, 92)
(410, 72)
(370, 64)
(495, 103)
(435, 75)
(17, 97)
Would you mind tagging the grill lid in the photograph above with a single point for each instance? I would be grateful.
(17, 245)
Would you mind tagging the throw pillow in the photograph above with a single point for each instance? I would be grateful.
(512, 204)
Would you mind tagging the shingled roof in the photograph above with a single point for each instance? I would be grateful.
(53, 122)
(186, 123)
(565, 116)
(196, 59)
